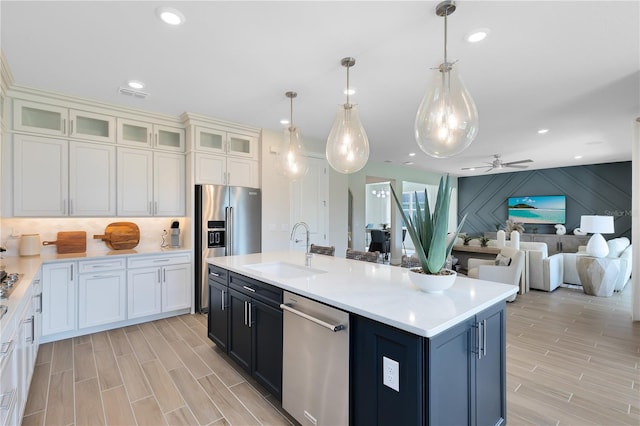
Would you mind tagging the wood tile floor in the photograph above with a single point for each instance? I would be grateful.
(164, 372)
(572, 359)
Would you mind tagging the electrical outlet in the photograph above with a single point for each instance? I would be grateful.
(391, 373)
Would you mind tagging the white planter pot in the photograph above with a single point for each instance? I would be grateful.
(431, 283)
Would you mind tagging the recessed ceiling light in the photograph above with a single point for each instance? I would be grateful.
(135, 84)
(408, 163)
(170, 15)
(284, 121)
(477, 35)
(472, 168)
(412, 154)
(577, 157)
(543, 131)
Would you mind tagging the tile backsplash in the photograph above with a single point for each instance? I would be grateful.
(150, 231)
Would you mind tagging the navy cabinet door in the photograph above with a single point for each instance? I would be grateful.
(239, 330)
(267, 347)
(372, 402)
(451, 370)
(491, 402)
(218, 314)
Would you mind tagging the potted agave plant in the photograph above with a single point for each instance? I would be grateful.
(428, 232)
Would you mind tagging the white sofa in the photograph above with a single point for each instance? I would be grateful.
(561, 267)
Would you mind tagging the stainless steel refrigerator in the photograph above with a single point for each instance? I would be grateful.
(227, 222)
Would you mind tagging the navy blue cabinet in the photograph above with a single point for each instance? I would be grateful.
(372, 402)
(218, 306)
(457, 377)
(255, 330)
(467, 371)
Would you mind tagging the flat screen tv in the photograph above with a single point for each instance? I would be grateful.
(538, 209)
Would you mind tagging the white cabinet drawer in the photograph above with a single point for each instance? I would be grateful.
(146, 262)
(102, 265)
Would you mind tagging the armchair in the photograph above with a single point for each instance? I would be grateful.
(487, 269)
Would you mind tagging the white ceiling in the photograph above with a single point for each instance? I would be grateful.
(570, 66)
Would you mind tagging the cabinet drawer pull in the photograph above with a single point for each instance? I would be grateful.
(248, 288)
(224, 293)
(104, 276)
(7, 399)
(215, 274)
(71, 280)
(5, 349)
(161, 260)
(39, 309)
(250, 319)
(30, 321)
(105, 265)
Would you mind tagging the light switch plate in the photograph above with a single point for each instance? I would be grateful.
(391, 373)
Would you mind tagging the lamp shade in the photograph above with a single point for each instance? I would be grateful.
(597, 224)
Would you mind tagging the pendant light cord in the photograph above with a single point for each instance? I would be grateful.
(445, 37)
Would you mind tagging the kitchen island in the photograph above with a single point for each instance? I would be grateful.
(448, 349)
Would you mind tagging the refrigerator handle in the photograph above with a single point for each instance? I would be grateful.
(230, 234)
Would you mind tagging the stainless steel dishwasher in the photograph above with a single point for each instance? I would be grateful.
(315, 362)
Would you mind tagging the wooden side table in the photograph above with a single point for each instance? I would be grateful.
(598, 274)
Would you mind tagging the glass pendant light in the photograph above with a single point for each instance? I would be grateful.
(291, 162)
(347, 144)
(447, 120)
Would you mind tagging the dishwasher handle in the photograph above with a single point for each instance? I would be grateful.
(334, 328)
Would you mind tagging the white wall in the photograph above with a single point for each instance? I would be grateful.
(276, 198)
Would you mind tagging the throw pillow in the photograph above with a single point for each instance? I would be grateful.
(502, 260)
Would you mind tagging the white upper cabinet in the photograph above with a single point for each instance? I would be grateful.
(135, 182)
(147, 135)
(168, 184)
(55, 177)
(60, 121)
(40, 176)
(222, 142)
(150, 183)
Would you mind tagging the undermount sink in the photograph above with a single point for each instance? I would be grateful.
(284, 270)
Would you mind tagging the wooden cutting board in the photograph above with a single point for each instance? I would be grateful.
(69, 242)
(120, 235)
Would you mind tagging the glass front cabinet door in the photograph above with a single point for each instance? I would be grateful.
(59, 121)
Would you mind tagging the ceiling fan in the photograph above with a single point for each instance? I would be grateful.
(498, 164)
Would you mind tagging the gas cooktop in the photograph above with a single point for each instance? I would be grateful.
(7, 283)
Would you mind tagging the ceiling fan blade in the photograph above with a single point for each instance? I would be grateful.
(490, 166)
(515, 166)
(517, 162)
(489, 169)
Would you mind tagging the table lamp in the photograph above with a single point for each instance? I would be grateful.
(598, 225)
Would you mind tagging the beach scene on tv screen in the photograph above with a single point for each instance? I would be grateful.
(538, 209)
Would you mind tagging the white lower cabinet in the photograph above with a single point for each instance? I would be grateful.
(59, 297)
(176, 291)
(93, 295)
(18, 351)
(144, 292)
(158, 284)
(102, 296)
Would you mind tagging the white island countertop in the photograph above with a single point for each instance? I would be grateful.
(376, 291)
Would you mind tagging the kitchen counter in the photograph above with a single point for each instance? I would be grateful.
(28, 267)
(380, 292)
